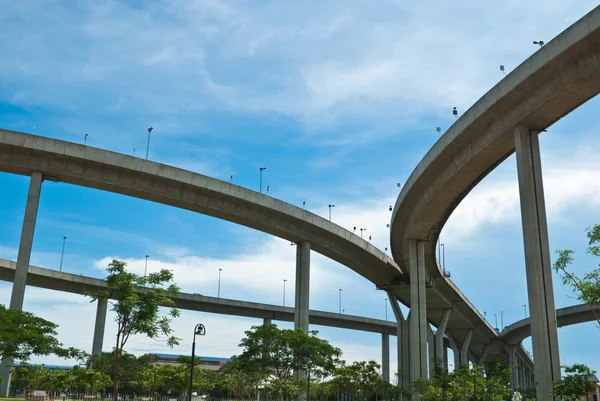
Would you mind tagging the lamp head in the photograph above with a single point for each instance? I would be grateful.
(150, 129)
(200, 330)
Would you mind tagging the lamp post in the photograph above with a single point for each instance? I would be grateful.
(496, 321)
(330, 206)
(199, 330)
(540, 43)
(502, 320)
(62, 255)
(261, 171)
(219, 286)
(443, 258)
(361, 232)
(85, 139)
(340, 291)
(148, 146)
(525, 310)
(146, 267)
(284, 281)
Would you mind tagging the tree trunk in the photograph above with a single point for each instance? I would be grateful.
(116, 372)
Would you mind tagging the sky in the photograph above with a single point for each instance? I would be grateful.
(340, 100)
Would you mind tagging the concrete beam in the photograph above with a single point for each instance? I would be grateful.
(537, 261)
(302, 285)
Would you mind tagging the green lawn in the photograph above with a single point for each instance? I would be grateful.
(12, 399)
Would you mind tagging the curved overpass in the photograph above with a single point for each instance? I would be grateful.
(556, 79)
(82, 165)
(72, 283)
(518, 331)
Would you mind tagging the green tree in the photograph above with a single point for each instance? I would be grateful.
(361, 379)
(241, 382)
(130, 367)
(38, 377)
(22, 334)
(272, 351)
(586, 288)
(137, 302)
(575, 383)
(90, 380)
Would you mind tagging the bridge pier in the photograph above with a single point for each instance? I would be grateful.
(23, 257)
(464, 351)
(385, 357)
(418, 311)
(402, 336)
(302, 293)
(267, 321)
(440, 351)
(544, 332)
(512, 361)
(99, 327)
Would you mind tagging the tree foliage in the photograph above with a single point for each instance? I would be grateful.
(575, 383)
(271, 351)
(137, 302)
(22, 334)
(361, 379)
(587, 287)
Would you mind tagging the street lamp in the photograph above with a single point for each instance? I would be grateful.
(62, 255)
(361, 232)
(219, 287)
(502, 320)
(85, 139)
(148, 146)
(284, 281)
(443, 258)
(340, 290)
(496, 321)
(261, 171)
(525, 310)
(330, 206)
(199, 330)
(146, 267)
(538, 42)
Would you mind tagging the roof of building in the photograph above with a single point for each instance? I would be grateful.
(206, 358)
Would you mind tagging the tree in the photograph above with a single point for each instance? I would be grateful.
(575, 384)
(588, 287)
(90, 380)
(22, 334)
(270, 350)
(137, 301)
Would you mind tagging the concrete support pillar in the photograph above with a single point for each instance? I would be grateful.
(99, 326)
(464, 351)
(512, 361)
(483, 355)
(403, 338)
(431, 350)
(455, 352)
(544, 332)
(23, 257)
(302, 285)
(418, 311)
(445, 363)
(267, 321)
(439, 352)
(385, 357)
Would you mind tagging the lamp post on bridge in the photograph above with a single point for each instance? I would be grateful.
(340, 291)
(284, 281)
(62, 255)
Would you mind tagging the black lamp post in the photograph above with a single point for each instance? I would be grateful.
(199, 330)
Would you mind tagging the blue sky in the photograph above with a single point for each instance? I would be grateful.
(339, 100)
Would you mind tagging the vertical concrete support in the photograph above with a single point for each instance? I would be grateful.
(483, 355)
(403, 338)
(33, 199)
(445, 363)
(544, 332)
(267, 321)
(385, 357)
(430, 349)
(439, 352)
(418, 311)
(99, 326)
(455, 352)
(302, 285)
(23, 257)
(512, 361)
(464, 351)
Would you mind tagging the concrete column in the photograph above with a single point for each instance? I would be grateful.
(464, 351)
(385, 357)
(445, 363)
(431, 350)
(403, 338)
(418, 319)
(99, 327)
(483, 355)
(512, 361)
(542, 311)
(23, 257)
(267, 321)
(33, 199)
(302, 285)
(455, 351)
(439, 352)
